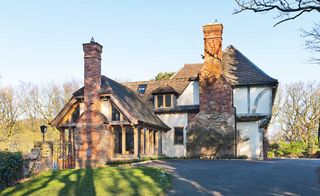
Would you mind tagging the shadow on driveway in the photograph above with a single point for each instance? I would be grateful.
(243, 177)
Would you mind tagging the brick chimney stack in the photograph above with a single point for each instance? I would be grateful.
(215, 92)
(212, 50)
(92, 75)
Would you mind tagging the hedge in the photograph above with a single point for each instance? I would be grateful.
(11, 168)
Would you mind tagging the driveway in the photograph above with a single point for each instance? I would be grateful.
(243, 177)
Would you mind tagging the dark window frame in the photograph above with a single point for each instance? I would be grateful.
(163, 102)
(170, 100)
(142, 88)
(160, 102)
(177, 141)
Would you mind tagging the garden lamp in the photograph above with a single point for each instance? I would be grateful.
(43, 129)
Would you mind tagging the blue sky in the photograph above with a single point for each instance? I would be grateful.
(42, 41)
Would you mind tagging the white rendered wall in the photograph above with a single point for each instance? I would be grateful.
(260, 100)
(106, 109)
(253, 100)
(240, 100)
(190, 95)
(252, 147)
(168, 146)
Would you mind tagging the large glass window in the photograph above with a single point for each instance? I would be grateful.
(178, 135)
(129, 140)
(118, 140)
(115, 114)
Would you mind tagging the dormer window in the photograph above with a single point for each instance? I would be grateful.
(164, 101)
(164, 97)
(142, 88)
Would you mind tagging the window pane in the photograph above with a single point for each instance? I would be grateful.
(142, 88)
(118, 140)
(115, 114)
(168, 100)
(178, 135)
(129, 140)
(160, 101)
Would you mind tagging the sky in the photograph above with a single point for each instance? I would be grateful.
(41, 41)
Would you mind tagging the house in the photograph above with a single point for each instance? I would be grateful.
(221, 107)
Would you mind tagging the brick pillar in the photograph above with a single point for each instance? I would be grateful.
(92, 75)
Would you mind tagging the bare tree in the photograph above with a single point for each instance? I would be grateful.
(298, 115)
(288, 10)
(9, 111)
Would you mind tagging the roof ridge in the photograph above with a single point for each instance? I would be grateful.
(154, 81)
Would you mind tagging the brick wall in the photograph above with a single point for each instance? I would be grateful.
(211, 132)
(93, 138)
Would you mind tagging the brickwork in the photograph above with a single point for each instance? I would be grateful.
(93, 138)
(211, 132)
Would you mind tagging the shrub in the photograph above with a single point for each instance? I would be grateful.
(288, 149)
(270, 154)
(11, 168)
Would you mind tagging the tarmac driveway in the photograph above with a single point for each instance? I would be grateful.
(243, 177)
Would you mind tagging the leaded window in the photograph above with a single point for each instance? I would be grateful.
(160, 101)
(178, 135)
(168, 100)
(164, 101)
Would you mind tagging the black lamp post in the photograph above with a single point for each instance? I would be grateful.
(43, 129)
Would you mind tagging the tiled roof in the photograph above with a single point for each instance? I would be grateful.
(237, 69)
(188, 71)
(129, 100)
(164, 89)
(177, 84)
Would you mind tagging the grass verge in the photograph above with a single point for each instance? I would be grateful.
(102, 181)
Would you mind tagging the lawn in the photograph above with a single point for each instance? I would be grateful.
(122, 180)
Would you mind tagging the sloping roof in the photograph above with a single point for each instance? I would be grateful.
(164, 89)
(188, 71)
(129, 100)
(179, 85)
(237, 69)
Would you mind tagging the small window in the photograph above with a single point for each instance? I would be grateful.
(178, 135)
(168, 100)
(115, 114)
(142, 88)
(160, 101)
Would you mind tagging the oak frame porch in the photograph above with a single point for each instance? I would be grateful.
(146, 142)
